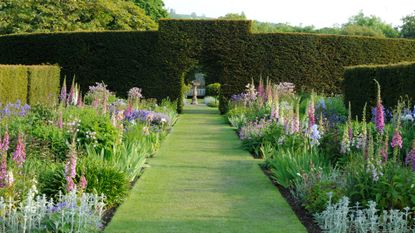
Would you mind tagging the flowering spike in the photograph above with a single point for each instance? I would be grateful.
(385, 149)
(6, 141)
(19, 156)
(3, 170)
(311, 112)
(410, 157)
(60, 120)
(379, 113)
(63, 92)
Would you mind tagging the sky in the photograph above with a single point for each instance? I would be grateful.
(320, 13)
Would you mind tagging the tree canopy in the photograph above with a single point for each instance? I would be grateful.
(408, 26)
(153, 8)
(18, 16)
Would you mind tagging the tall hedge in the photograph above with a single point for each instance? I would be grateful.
(120, 59)
(43, 84)
(13, 83)
(29, 84)
(226, 50)
(396, 80)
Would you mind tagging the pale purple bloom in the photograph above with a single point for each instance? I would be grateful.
(315, 135)
(70, 167)
(135, 93)
(6, 141)
(9, 179)
(311, 114)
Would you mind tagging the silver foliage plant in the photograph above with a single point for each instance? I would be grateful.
(340, 218)
(69, 213)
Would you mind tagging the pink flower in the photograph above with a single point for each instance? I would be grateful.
(3, 170)
(70, 167)
(311, 114)
(396, 140)
(379, 118)
(83, 182)
(295, 124)
(19, 155)
(6, 141)
(70, 185)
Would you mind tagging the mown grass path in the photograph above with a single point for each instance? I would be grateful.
(202, 181)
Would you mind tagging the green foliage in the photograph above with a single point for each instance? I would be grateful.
(213, 89)
(104, 178)
(93, 123)
(13, 83)
(316, 199)
(153, 8)
(72, 15)
(408, 26)
(396, 81)
(368, 26)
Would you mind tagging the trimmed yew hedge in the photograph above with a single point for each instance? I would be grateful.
(396, 80)
(226, 50)
(29, 84)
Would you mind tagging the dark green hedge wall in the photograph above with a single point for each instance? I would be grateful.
(226, 50)
(120, 59)
(396, 80)
(29, 84)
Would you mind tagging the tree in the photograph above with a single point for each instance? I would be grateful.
(408, 26)
(18, 16)
(369, 26)
(153, 8)
(234, 16)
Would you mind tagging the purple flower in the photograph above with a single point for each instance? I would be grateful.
(410, 159)
(396, 140)
(153, 118)
(19, 155)
(63, 94)
(315, 135)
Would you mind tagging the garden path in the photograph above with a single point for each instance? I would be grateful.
(202, 181)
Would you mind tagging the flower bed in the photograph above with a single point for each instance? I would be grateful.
(352, 176)
(62, 168)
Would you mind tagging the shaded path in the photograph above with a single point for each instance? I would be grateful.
(202, 181)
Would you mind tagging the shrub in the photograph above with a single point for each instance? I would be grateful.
(213, 89)
(396, 81)
(211, 101)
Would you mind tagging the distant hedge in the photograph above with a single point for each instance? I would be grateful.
(29, 84)
(227, 51)
(396, 80)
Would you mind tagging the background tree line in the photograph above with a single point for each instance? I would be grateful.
(18, 16)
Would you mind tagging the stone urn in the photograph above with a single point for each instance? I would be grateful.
(195, 85)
